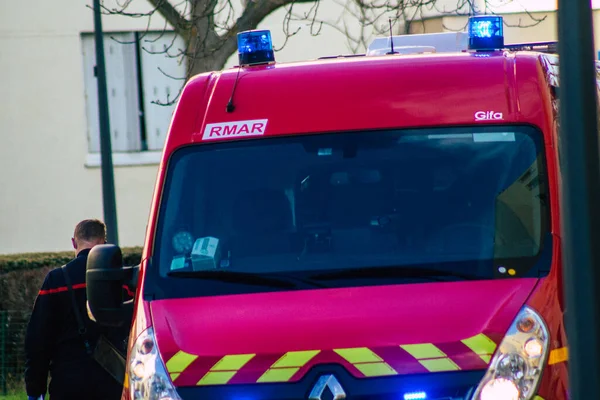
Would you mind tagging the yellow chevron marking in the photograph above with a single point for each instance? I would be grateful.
(179, 362)
(431, 357)
(485, 357)
(425, 350)
(375, 369)
(278, 375)
(367, 362)
(225, 369)
(363, 358)
(216, 378)
(232, 362)
(295, 359)
(482, 345)
(359, 355)
(558, 356)
(283, 369)
(439, 365)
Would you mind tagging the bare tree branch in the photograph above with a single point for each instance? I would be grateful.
(177, 21)
(209, 28)
(253, 14)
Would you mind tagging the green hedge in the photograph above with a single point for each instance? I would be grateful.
(21, 276)
(29, 261)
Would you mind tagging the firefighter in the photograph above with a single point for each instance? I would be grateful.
(56, 345)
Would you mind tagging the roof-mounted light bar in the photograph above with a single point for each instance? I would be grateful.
(255, 47)
(542, 47)
(486, 32)
(445, 42)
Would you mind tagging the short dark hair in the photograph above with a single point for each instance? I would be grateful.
(89, 230)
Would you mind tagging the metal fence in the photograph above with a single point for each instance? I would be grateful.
(12, 358)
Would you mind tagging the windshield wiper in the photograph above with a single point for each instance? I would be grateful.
(235, 277)
(393, 272)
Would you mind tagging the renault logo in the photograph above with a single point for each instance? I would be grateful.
(327, 382)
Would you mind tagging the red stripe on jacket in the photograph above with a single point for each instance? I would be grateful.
(77, 286)
(61, 289)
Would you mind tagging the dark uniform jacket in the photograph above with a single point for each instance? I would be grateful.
(53, 344)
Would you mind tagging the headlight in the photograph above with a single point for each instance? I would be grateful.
(148, 376)
(516, 369)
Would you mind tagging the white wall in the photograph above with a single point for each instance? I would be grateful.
(494, 6)
(45, 187)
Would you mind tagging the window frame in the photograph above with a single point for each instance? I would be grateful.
(138, 72)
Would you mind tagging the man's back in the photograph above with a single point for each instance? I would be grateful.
(54, 345)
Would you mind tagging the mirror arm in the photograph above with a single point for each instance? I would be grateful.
(127, 311)
(130, 276)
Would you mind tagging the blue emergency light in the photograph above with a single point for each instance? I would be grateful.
(486, 32)
(255, 47)
(415, 396)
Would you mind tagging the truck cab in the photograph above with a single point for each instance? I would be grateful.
(381, 226)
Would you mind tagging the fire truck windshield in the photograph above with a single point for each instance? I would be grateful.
(472, 200)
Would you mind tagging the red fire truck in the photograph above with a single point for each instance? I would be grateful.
(383, 226)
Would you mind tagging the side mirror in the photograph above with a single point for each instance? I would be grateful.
(105, 277)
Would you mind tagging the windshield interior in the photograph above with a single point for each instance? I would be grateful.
(358, 200)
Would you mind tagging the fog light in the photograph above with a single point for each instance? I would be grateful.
(500, 389)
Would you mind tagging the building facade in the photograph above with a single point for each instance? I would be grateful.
(49, 157)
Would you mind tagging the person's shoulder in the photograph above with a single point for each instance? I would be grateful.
(77, 261)
(76, 268)
(53, 281)
(56, 275)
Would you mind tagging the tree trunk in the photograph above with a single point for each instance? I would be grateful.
(206, 55)
(206, 50)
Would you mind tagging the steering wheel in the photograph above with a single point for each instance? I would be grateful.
(451, 231)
